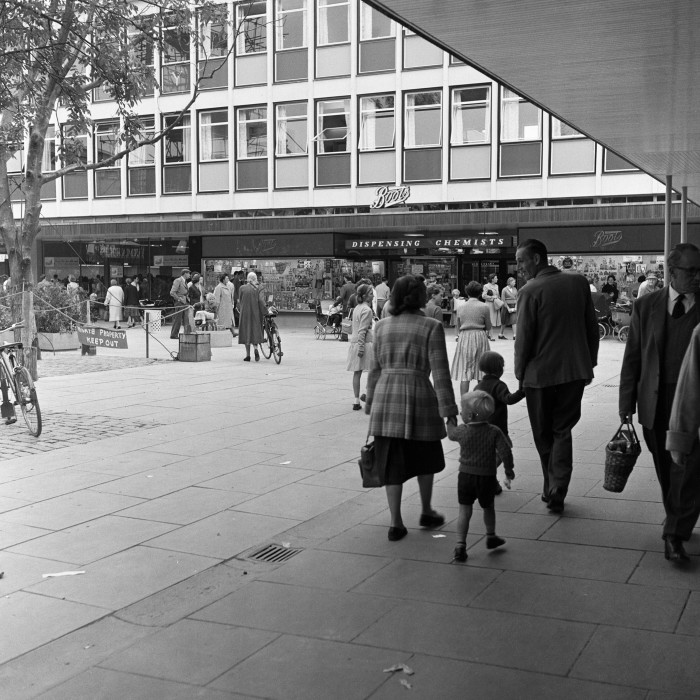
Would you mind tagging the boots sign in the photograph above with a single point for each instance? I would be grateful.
(385, 197)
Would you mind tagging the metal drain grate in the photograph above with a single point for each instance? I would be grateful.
(274, 554)
(611, 386)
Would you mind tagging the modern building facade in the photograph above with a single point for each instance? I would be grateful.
(327, 139)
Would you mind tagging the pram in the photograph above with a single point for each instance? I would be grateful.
(327, 323)
(621, 314)
(601, 303)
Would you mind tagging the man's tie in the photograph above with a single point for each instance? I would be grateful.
(678, 308)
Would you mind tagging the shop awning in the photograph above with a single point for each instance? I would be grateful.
(624, 72)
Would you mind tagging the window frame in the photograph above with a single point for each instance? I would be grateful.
(186, 159)
(476, 104)
(242, 153)
(367, 14)
(362, 121)
(148, 127)
(243, 19)
(294, 118)
(514, 98)
(280, 15)
(322, 11)
(414, 110)
(318, 135)
(184, 61)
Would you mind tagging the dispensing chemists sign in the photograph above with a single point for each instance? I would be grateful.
(102, 337)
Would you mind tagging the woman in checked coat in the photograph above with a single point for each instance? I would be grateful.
(406, 409)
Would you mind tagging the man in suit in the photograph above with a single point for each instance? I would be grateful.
(661, 326)
(179, 294)
(346, 291)
(555, 352)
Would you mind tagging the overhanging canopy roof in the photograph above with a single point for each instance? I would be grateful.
(624, 72)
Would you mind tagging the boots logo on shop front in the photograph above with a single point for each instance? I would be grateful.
(386, 197)
(602, 239)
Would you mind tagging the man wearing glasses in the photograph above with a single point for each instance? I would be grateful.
(660, 330)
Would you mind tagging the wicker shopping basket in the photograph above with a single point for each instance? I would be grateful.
(620, 456)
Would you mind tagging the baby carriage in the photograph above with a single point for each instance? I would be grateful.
(328, 320)
(621, 314)
(601, 303)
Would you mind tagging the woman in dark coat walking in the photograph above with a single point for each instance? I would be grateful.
(406, 409)
(252, 309)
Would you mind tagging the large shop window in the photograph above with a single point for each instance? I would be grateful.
(291, 40)
(377, 159)
(213, 151)
(571, 151)
(291, 145)
(333, 142)
(377, 41)
(74, 151)
(213, 52)
(108, 182)
(175, 56)
(177, 155)
(521, 137)
(423, 136)
(251, 165)
(251, 42)
(470, 150)
(141, 169)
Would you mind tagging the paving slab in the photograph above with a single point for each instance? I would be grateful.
(657, 661)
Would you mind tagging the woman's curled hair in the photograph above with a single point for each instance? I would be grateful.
(474, 290)
(407, 294)
(361, 292)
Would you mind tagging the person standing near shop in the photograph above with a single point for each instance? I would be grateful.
(555, 352)
(183, 317)
(252, 309)
(509, 315)
(492, 298)
(115, 301)
(223, 302)
(660, 331)
(650, 284)
(131, 301)
(433, 309)
(346, 291)
(381, 295)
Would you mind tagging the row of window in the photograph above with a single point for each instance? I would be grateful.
(520, 126)
(288, 20)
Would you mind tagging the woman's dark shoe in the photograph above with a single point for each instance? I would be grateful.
(501, 337)
(493, 541)
(460, 553)
(397, 533)
(356, 407)
(257, 355)
(431, 520)
(246, 358)
(363, 397)
(490, 338)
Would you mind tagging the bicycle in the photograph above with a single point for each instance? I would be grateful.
(272, 343)
(18, 387)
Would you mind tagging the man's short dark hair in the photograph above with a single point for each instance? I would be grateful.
(674, 257)
(532, 246)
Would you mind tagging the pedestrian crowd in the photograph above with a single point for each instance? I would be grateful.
(400, 344)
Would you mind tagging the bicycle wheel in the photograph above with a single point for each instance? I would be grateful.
(601, 331)
(265, 345)
(276, 343)
(319, 331)
(623, 333)
(27, 400)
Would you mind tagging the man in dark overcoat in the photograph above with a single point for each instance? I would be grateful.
(661, 326)
(555, 353)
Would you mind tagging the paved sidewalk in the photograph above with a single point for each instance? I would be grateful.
(206, 463)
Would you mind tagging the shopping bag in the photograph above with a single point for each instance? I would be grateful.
(372, 476)
(620, 457)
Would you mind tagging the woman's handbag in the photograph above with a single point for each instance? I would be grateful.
(620, 456)
(372, 476)
(498, 303)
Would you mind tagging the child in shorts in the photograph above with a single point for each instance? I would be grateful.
(491, 364)
(482, 447)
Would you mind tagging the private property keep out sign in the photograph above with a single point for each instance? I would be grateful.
(103, 337)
